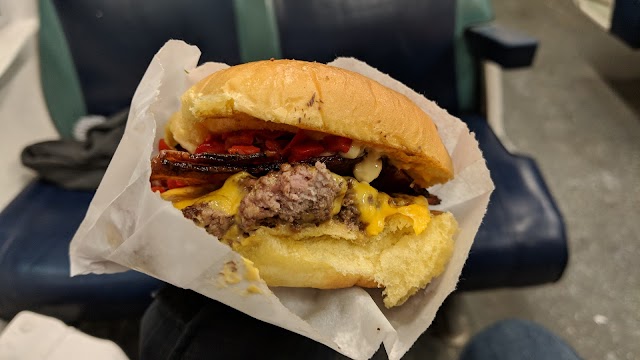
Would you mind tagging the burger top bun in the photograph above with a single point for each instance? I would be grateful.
(290, 94)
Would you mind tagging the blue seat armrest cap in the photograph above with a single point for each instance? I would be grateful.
(509, 48)
(625, 22)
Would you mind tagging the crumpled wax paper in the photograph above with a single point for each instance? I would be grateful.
(129, 227)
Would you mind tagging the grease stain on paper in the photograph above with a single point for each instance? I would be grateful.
(230, 274)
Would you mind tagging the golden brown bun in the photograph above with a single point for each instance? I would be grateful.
(330, 256)
(287, 94)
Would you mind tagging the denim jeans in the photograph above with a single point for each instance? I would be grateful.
(517, 339)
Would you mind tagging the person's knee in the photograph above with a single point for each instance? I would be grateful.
(517, 339)
(515, 327)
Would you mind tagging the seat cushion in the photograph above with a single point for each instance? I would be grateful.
(35, 231)
(522, 239)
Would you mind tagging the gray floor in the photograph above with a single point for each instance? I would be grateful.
(577, 112)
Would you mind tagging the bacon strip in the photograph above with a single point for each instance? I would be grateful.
(393, 180)
(218, 159)
(215, 168)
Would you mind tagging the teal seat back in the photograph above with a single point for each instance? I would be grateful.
(92, 57)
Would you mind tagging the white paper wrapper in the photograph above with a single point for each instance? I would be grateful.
(128, 226)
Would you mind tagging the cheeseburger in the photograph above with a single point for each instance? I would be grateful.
(316, 174)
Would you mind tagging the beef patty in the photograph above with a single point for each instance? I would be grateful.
(296, 194)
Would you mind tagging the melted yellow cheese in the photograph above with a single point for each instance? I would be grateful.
(374, 208)
(226, 199)
(186, 192)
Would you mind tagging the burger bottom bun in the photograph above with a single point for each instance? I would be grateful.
(331, 256)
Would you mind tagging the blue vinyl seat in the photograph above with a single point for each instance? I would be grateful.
(522, 238)
(35, 230)
(521, 242)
